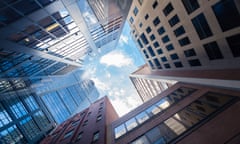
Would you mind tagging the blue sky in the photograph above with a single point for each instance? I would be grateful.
(111, 73)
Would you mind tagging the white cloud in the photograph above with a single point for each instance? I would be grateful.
(117, 59)
(100, 85)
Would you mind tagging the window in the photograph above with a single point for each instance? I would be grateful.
(145, 53)
(131, 20)
(156, 21)
(157, 63)
(174, 56)
(148, 29)
(131, 124)
(5, 118)
(151, 51)
(190, 5)
(201, 26)
(142, 117)
(167, 66)
(168, 9)
(161, 30)
(165, 39)
(144, 39)
(31, 103)
(194, 62)
(99, 118)
(153, 110)
(156, 44)
(140, 2)
(29, 127)
(140, 25)
(152, 37)
(184, 41)
(95, 136)
(189, 53)
(174, 20)
(68, 134)
(80, 135)
(119, 131)
(139, 43)
(135, 11)
(213, 51)
(159, 51)
(178, 64)
(234, 44)
(151, 64)
(227, 14)
(146, 16)
(85, 123)
(155, 4)
(169, 47)
(164, 59)
(179, 31)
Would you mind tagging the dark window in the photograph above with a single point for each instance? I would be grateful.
(159, 51)
(139, 43)
(157, 63)
(178, 64)
(168, 9)
(174, 20)
(26, 7)
(190, 5)
(165, 39)
(189, 53)
(184, 41)
(155, 4)
(146, 16)
(144, 39)
(169, 47)
(80, 135)
(227, 14)
(156, 21)
(131, 20)
(135, 11)
(234, 43)
(95, 136)
(99, 118)
(152, 37)
(201, 26)
(194, 62)
(145, 53)
(167, 66)
(148, 29)
(164, 59)
(140, 25)
(140, 2)
(174, 56)
(179, 31)
(156, 44)
(213, 51)
(151, 51)
(151, 64)
(161, 30)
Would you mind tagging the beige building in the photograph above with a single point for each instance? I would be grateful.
(191, 41)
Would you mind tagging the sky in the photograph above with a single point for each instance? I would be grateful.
(111, 71)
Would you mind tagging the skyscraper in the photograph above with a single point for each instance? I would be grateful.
(147, 86)
(88, 126)
(184, 113)
(189, 41)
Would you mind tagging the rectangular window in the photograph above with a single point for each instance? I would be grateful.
(179, 31)
(190, 53)
(119, 131)
(150, 50)
(190, 5)
(144, 39)
(139, 43)
(234, 44)
(165, 39)
(168, 9)
(146, 16)
(173, 21)
(148, 29)
(131, 20)
(99, 118)
(159, 51)
(201, 26)
(157, 63)
(131, 124)
(167, 66)
(95, 136)
(151, 64)
(174, 56)
(140, 25)
(213, 51)
(164, 59)
(184, 41)
(156, 21)
(156, 44)
(155, 4)
(145, 53)
(152, 37)
(140, 2)
(227, 14)
(178, 64)
(194, 62)
(68, 134)
(161, 30)
(135, 11)
(142, 117)
(80, 135)
(169, 47)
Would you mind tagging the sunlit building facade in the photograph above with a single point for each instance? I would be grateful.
(146, 86)
(184, 113)
(190, 41)
(87, 126)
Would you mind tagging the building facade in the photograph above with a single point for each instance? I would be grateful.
(148, 88)
(88, 126)
(184, 113)
(189, 41)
